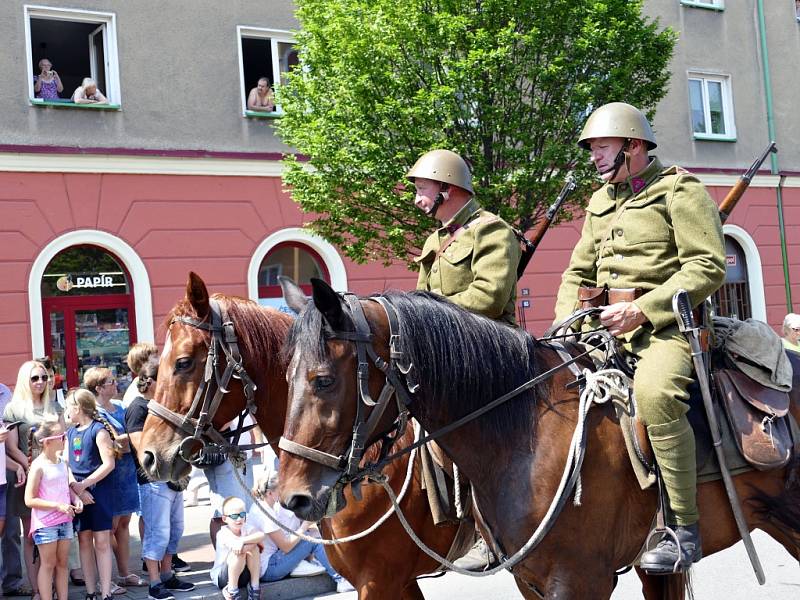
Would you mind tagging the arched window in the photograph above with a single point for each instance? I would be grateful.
(88, 312)
(733, 298)
(292, 259)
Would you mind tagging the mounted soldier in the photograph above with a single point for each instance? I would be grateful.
(471, 259)
(648, 232)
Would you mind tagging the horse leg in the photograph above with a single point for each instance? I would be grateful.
(412, 591)
(662, 587)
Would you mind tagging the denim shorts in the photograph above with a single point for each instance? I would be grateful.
(162, 512)
(54, 533)
(222, 483)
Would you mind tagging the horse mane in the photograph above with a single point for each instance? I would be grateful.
(261, 330)
(462, 360)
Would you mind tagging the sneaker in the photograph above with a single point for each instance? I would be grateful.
(479, 558)
(253, 593)
(179, 565)
(342, 585)
(157, 592)
(231, 595)
(179, 585)
(306, 569)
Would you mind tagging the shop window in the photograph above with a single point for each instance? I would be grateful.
(733, 298)
(712, 4)
(294, 260)
(711, 107)
(264, 53)
(78, 44)
(88, 311)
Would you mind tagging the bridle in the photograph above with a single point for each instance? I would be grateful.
(400, 381)
(214, 386)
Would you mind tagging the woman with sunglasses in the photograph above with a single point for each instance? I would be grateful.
(791, 332)
(30, 403)
(53, 505)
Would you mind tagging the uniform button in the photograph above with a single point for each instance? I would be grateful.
(619, 231)
(614, 275)
(619, 256)
(435, 268)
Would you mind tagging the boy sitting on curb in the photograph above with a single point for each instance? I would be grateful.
(238, 556)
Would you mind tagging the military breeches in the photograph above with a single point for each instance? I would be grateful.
(662, 376)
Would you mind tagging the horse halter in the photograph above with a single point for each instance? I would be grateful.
(214, 386)
(397, 367)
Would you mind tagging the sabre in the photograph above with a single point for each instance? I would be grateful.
(682, 308)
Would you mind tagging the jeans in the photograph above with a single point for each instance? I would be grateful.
(222, 483)
(162, 511)
(54, 533)
(11, 571)
(281, 564)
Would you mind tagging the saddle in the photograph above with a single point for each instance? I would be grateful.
(758, 431)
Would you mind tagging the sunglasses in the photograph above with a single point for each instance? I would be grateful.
(35, 378)
(59, 437)
(237, 516)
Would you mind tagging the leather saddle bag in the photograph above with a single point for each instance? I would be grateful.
(758, 419)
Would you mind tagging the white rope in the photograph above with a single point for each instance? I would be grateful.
(603, 386)
(457, 492)
(350, 538)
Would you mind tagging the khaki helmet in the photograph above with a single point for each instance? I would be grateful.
(617, 119)
(444, 166)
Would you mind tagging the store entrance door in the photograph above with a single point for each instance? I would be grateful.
(88, 312)
(88, 331)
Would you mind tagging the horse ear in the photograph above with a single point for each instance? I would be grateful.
(197, 295)
(293, 294)
(328, 303)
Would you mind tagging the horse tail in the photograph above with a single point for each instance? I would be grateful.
(783, 511)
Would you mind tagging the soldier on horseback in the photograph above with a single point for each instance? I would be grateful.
(471, 259)
(648, 232)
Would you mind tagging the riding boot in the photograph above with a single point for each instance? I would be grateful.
(673, 446)
(479, 558)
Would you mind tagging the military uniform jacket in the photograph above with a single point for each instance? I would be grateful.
(478, 269)
(664, 236)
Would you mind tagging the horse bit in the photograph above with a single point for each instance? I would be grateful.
(210, 392)
(397, 367)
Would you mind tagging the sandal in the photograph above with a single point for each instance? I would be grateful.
(117, 590)
(131, 580)
(76, 580)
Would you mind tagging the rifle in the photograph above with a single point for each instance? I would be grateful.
(532, 242)
(737, 190)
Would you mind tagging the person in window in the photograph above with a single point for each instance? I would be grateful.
(88, 93)
(791, 332)
(261, 98)
(47, 84)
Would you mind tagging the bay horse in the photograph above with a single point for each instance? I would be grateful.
(383, 564)
(513, 455)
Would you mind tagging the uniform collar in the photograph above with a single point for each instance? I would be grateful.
(633, 186)
(462, 216)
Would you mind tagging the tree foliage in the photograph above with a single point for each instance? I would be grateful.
(507, 85)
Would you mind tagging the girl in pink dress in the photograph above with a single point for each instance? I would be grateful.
(53, 505)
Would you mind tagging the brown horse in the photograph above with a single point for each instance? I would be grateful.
(383, 564)
(513, 455)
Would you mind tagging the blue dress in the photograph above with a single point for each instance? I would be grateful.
(126, 488)
(84, 459)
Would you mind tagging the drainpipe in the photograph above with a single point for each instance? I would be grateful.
(762, 32)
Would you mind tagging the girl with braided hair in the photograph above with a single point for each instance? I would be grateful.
(53, 506)
(92, 452)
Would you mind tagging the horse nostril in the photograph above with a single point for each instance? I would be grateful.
(148, 461)
(299, 504)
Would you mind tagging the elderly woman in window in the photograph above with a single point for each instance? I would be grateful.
(88, 93)
(261, 97)
(47, 84)
(791, 332)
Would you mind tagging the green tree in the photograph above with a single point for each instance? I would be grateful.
(507, 85)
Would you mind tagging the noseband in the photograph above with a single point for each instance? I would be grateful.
(400, 381)
(210, 392)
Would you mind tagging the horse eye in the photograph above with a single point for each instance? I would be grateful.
(183, 364)
(323, 382)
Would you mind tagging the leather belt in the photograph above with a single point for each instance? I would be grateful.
(594, 297)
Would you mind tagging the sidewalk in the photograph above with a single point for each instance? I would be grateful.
(195, 548)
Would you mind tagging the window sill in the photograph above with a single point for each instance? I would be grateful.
(714, 7)
(257, 114)
(69, 104)
(710, 137)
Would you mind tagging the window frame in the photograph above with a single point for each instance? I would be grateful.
(717, 5)
(727, 104)
(275, 36)
(75, 15)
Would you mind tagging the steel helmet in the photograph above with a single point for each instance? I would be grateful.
(444, 166)
(617, 119)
